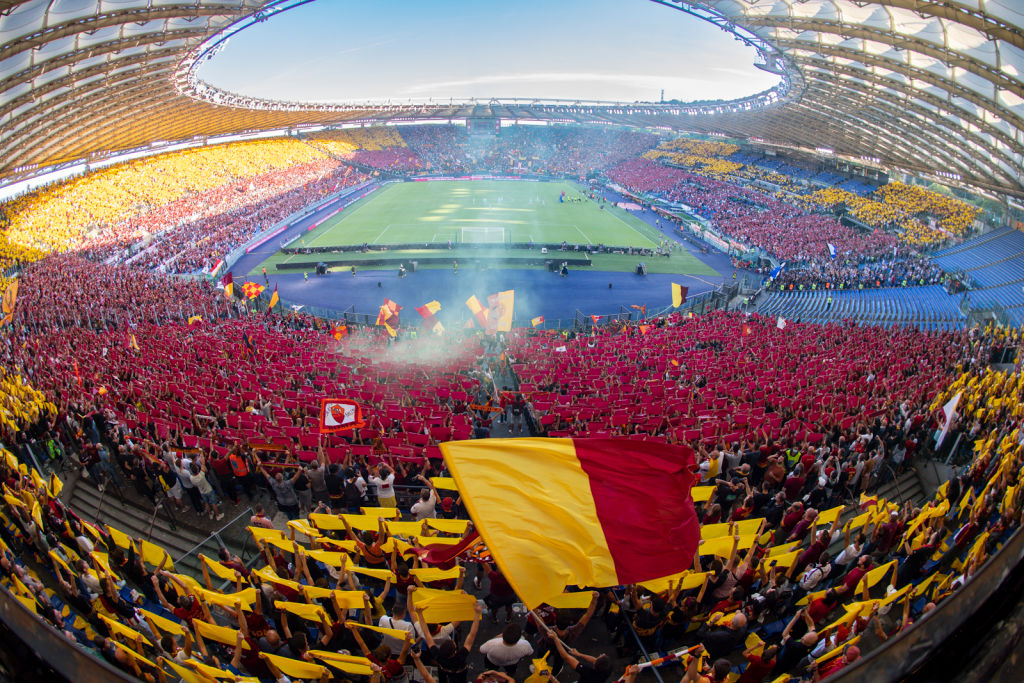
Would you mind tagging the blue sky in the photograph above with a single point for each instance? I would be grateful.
(338, 50)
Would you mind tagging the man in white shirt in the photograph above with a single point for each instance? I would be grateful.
(425, 506)
(398, 621)
(383, 479)
(507, 650)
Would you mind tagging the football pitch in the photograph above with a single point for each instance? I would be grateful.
(484, 218)
(479, 212)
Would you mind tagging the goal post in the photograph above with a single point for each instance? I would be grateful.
(478, 234)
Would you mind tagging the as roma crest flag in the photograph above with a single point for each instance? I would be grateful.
(499, 312)
(584, 512)
(339, 414)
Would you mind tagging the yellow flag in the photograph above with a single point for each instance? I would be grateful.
(441, 607)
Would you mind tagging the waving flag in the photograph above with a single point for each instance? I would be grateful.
(133, 343)
(780, 323)
(252, 289)
(775, 271)
(596, 318)
(539, 320)
(831, 249)
(248, 347)
(948, 411)
(339, 414)
(195, 319)
(339, 331)
(229, 284)
(274, 298)
(388, 316)
(679, 295)
(430, 322)
(10, 298)
(500, 311)
(642, 309)
(584, 512)
(479, 312)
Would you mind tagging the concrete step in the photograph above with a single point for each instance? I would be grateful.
(133, 517)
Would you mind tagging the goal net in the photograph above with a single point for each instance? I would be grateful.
(483, 235)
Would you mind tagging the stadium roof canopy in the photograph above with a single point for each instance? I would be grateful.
(931, 86)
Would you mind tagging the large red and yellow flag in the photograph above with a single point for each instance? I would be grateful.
(679, 295)
(479, 312)
(430, 321)
(388, 316)
(584, 512)
(229, 284)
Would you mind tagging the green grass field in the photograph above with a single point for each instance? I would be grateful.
(482, 211)
(486, 212)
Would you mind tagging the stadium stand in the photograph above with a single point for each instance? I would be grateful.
(824, 554)
(929, 308)
(786, 504)
(70, 214)
(751, 217)
(994, 264)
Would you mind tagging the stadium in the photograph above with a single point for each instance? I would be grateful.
(426, 387)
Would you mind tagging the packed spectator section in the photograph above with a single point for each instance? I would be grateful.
(801, 570)
(753, 218)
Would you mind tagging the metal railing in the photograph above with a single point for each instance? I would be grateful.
(234, 531)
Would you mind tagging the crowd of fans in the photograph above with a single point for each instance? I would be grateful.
(751, 217)
(164, 385)
(93, 207)
(199, 244)
(899, 271)
(66, 290)
(924, 219)
(573, 151)
(787, 468)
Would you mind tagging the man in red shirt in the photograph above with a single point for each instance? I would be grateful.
(759, 666)
(851, 653)
(854, 576)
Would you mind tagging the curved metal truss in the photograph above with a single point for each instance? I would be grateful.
(929, 86)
